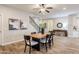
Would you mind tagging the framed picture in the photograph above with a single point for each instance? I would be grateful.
(14, 24)
(23, 25)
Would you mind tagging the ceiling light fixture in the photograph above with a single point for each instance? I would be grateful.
(64, 8)
(37, 5)
(43, 8)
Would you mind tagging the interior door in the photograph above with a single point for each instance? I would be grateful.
(0, 30)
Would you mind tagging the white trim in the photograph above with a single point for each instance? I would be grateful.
(7, 43)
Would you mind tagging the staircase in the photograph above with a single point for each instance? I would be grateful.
(34, 24)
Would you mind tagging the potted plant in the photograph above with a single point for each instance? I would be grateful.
(42, 27)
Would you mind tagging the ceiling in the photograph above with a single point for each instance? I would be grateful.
(57, 11)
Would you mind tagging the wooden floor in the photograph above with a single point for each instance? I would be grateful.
(62, 45)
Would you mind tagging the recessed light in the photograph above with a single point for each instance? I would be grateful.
(37, 5)
(64, 8)
(42, 9)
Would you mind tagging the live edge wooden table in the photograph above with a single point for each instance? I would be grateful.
(37, 37)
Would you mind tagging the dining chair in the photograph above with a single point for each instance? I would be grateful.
(52, 39)
(33, 32)
(51, 42)
(29, 42)
(45, 41)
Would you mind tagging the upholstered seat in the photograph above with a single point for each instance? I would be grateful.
(44, 40)
(32, 43)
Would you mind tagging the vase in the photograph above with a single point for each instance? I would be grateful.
(42, 30)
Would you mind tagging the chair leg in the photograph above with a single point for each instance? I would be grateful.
(25, 48)
(29, 49)
(50, 44)
(46, 47)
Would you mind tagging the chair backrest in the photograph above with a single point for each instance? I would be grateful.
(33, 32)
(27, 39)
(51, 36)
(48, 37)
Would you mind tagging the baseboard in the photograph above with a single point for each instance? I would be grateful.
(7, 43)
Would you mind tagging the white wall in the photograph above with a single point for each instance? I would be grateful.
(10, 36)
(73, 21)
(49, 24)
(0, 30)
(52, 23)
(37, 20)
(68, 24)
(63, 20)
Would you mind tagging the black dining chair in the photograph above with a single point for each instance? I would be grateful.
(45, 41)
(52, 35)
(51, 42)
(33, 32)
(29, 42)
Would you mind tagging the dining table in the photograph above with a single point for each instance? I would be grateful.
(38, 35)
